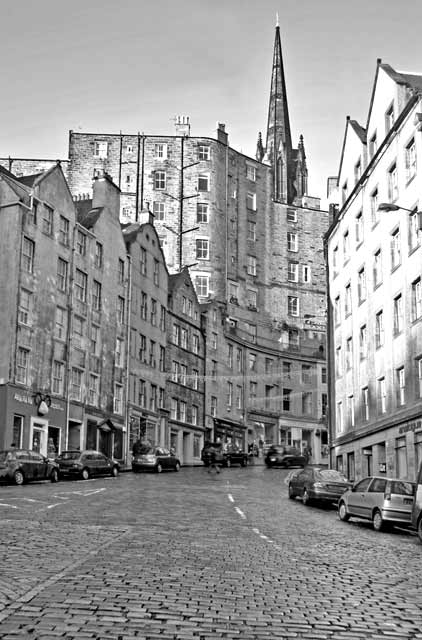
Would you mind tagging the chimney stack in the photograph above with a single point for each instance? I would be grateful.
(182, 125)
(222, 136)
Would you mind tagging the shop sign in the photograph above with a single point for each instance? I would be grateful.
(415, 425)
(21, 398)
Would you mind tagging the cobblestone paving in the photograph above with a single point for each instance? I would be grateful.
(188, 556)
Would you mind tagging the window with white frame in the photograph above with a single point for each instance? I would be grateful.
(401, 386)
(307, 404)
(373, 146)
(229, 394)
(182, 411)
(95, 337)
(359, 227)
(292, 306)
(159, 210)
(202, 286)
(252, 297)
(120, 310)
(81, 243)
(377, 268)
(251, 201)
(361, 284)
(143, 260)
(363, 342)
(251, 266)
(118, 360)
(379, 329)
(419, 377)
(346, 246)
(398, 314)
(348, 300)
(339, 362)
(93, 389)
(159, 180)
(60, 328)
(213, 408)
(100, 149)
(251, 172)
(96, 296)
(28, 252)
(410, 160)
(142, 393)
(375, 214)
(76, 384)
(22, 365)
(202, 212)
(395, 249)
(293, 272)
(160, 151)
(349, 353)
(337, 311)
(251, 231)
(239, 397)
(382, 395)
(64, 231)
(292, 241)
(389, 118)
(183, 374)
(202, 248)
(80, 285)
(416, 311)
(78, 331)
(203, 152)
(414, 238)
(393, 186)
(25, 307)
(184, 338)
(99, 255)
(57, 382)
(195, 379)
(174, 409)
(203, 182)
(195, 343)
(195, 414)
(339, 417)
(351, 410)
(365, 403)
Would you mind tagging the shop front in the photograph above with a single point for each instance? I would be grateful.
(106, 436)
(394, 451)
(230, 433)
(32, 421)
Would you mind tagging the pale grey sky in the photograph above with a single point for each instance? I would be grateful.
(132, 65)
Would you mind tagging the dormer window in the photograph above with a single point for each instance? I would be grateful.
(373, 145)
(358, 171)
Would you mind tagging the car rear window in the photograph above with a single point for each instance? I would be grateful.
(70, 455)
(143, 449)
(330, 475)
(401, 488)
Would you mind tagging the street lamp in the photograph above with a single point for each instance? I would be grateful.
(390, 206)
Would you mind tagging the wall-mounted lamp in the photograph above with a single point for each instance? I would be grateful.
(390, 206)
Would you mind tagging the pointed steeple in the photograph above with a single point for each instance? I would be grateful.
(279, 143)
(301, 170)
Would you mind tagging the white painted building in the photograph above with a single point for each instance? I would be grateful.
(375, 295)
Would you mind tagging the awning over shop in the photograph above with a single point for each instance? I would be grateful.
(229, 424)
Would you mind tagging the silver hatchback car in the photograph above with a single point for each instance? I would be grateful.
(385, 501)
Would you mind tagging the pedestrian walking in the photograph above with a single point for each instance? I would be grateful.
(213, 465)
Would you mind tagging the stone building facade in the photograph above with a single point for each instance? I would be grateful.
(375, 295)
(247, 230)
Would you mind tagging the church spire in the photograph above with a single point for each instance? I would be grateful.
(279, 143)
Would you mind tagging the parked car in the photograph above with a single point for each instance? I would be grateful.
(155, 459)
(417, 505)
(86, 464)
(317, 484)
(281, 456)
(226, 458)
(382, 500)
(23, 465)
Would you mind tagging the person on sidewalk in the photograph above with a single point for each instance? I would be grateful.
(214, 455)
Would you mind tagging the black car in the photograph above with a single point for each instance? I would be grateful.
(318, 484)
(23, 465)
(281, 456)
(86, 464)
(156, 459)
(226, 458)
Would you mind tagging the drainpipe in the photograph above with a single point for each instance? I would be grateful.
(120, 160)
(69, 340)
(126, 399)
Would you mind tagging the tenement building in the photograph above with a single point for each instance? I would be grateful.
(375, 294)
(252, 239)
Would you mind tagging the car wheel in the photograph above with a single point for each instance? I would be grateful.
(18, 477)
(85, 473)
(177, 466)
(377, 521)
(115, 471)
(342, 512)
(158, 468)
(54, 475)
(305, 497)
(292, 494)
(419, 529)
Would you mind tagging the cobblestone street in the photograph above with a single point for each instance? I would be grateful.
(191, 555)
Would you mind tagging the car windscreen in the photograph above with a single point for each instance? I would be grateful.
(401, 488)
(70, 455)
(144, 449)
(329, 475)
